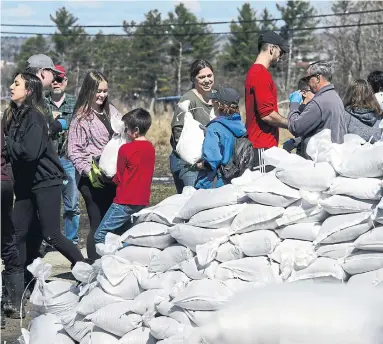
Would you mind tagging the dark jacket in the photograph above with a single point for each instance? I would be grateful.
(4, 170)
(324, 111)
(35, 164)
(364, 123)
(217, 148)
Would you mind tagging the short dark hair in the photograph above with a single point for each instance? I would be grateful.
(138, 118)
(264, 46)
(375, 79)
(32, 70)
(303, 84)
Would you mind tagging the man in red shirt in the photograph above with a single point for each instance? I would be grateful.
(262, 117)
(135, 168)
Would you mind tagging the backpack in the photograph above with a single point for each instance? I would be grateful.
(241, 159)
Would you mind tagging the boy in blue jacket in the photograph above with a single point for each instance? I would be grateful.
(219, 140)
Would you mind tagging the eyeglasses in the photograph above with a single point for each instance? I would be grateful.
(59, 79)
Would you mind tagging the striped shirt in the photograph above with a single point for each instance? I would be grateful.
(87, 139)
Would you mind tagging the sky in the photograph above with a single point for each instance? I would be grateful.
(109, 12)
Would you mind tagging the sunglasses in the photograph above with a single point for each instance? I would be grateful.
(59, 79)
(307, 78)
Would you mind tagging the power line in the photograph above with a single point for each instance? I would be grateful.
(202, 23)
(194, 34)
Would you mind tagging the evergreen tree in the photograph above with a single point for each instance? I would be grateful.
(32, 46)
(267, 22)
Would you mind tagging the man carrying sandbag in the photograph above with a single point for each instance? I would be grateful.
(262, 117)
(324, 111)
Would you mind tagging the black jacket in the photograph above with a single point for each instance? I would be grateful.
(35, 164)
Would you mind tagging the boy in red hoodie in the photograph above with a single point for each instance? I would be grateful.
(135, 168)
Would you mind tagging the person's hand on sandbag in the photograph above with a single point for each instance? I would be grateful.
(95, 176)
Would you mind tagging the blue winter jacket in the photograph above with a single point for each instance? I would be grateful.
(217, 148)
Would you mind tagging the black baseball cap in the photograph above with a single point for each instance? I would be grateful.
(225, 95)
(272, 37)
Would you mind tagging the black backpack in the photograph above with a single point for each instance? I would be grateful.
(241, 159)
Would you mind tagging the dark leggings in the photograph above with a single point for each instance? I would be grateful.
(97, 202)
(46, 202)
(9, 252)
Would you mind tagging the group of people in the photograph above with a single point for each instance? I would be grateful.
(314, 106)
(50, 148)
(51, 145)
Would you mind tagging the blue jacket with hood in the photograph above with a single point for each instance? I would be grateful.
(217, 148)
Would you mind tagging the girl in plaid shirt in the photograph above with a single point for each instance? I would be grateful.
(89, 132)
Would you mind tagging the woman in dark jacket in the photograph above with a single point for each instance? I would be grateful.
(36, 168)
(363, 113)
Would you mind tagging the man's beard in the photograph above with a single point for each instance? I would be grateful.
(274, 63)
(57, 91)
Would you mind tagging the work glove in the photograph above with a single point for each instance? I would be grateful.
(95, 176)
(296, 97)
(289, 145)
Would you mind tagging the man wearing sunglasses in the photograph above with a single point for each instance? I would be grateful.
(324, 111)
(62, 106)
(262, 116)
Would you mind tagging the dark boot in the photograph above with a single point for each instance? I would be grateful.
(2, 320)
(15, 288)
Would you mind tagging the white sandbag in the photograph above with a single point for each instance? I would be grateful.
(290, 247)
(169, 257)
(377, 215)
(196, 271)
(148, 300)
(166, 280)
(315, 178)
(99, 336)
(148, 234)
(372, 240)
(165, 327)
(255, 217)
(253, 269)
(346, 226)
(300, 231)
(84, 272)
(44, 329)
(108, 158)
(356, 161)
(319, 146)
(362, 188)
(199, 318)
(216, 218)
(116, 318)
(247, 177)
(277, 157)
(166, 211)
(140, 335)
(270, 199)
(189, 146)
(127, 289)
(362, 261)
(294, 313)
(76, 325)
(228, 251)
(335, 251)
(374, 278)
(204, 295)
(137, 254)
(204, 199)
(167, 309)
(338, 204)
(321, 267)
(302, 212)
(191, 236)
(95, 300)
(257, 243)
(238, 286)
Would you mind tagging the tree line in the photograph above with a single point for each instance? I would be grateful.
(151, 60)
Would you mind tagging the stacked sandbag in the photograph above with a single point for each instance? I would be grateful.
(189, 256)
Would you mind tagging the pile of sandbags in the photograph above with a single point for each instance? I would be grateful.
(187, 257)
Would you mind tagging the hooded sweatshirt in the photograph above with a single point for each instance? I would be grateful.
(217, 148)
(363, 122)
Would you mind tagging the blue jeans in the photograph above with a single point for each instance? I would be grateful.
(182, 174)
(70, 196)
(118, 218)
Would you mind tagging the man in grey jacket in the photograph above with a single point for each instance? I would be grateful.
(324, 111)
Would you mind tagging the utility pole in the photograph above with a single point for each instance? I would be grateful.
(289, 64)
(179, 69)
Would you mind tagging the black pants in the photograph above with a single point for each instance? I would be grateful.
(259, 163)
(42, 205)
(9, 252)
(97, 202)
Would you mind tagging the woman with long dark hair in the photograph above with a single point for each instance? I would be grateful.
(37, 170)
(363, 112)
(89, 133)
(201, 107)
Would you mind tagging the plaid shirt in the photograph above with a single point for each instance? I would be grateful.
(87, 139)
(66, 109)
